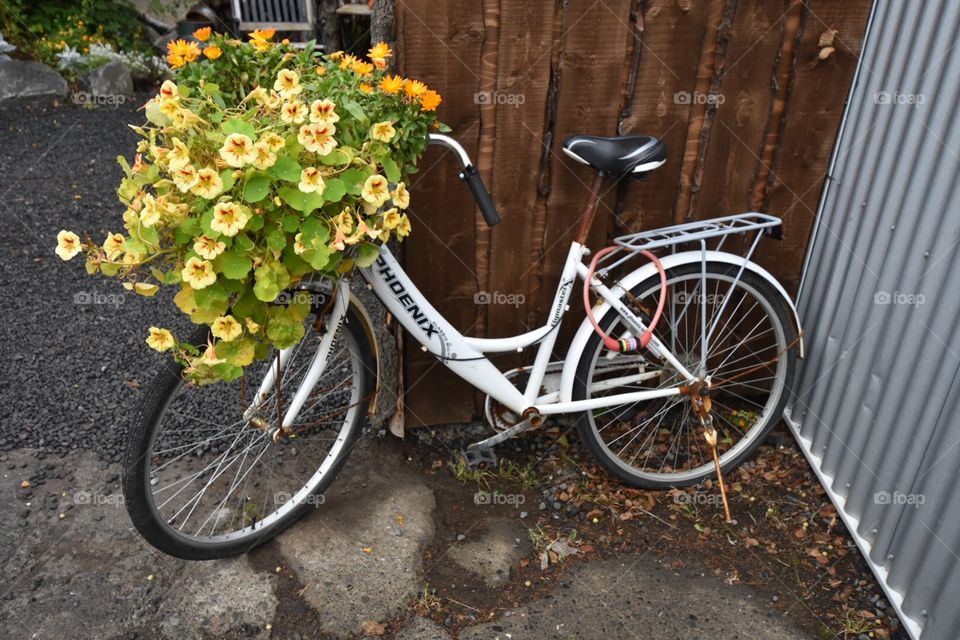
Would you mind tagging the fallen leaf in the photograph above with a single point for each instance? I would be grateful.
(372, 628)
(400, 519)
(25, 484)
(752, 542)
(367, 550)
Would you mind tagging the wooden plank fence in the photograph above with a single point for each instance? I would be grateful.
(747, 95)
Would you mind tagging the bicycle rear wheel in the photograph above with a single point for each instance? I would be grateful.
(203, 482)
(660, 443)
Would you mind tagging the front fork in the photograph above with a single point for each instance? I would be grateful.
(317, 367)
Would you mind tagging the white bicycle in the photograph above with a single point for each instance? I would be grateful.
(680, 369)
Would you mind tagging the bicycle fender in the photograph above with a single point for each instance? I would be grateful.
(579, 342)
(357, 305)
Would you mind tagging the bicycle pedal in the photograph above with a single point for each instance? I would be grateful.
(480, 458)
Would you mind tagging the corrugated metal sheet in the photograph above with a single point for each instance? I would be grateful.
(877, 402)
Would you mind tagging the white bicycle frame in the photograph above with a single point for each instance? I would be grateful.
(465, 356)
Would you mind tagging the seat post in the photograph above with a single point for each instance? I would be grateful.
(590, 209)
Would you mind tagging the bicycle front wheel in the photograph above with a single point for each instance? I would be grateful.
(201, 481)
(660, 443)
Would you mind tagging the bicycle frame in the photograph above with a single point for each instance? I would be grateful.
(465, 355)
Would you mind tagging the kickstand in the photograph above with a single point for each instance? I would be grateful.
(480, 457)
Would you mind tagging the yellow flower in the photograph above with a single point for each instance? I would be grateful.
(229, 218)
(209, 356)
(198, 273)
(364, 229)
(391, 218)
(344, 220)
(170, 108)
(272, 140)
(212, 53)
(179, 155)
(298, 246)
(391, 84)
(265, 156)
(226, 328)
(68, 245)
(185, 178)
(382, 131)
(339, 240)
(203, 34)
(273, 100)
(380, 51)
(180, 52)
(403, 229)
(260, 39)
(430, 100)
(168, 91)
(366, 88)
(238, 150)
(288, 83)
(142, 288)
(347, 61)
(152, 211)
(323, 111)
(361, 68)
(252, 326)
(257, 93)
(321, 71)
(208, 248)
(336, 55)
(293, 112)
(311, 181)
(375, 190)
(400, 195)
(208, 185)
(160, 339)
(414, 88)
(113, 245)
(318, 138)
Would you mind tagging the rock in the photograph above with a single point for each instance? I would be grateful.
(346, 554)
(490, 554)
(423, 629)
(229, 593)
(24, 78)
(109, 83)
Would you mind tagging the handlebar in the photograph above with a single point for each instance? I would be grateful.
(471, 176)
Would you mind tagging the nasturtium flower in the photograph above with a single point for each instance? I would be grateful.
(170, 108)
(258, 94)
(252, 326)
(323, 111)
(152, 212)
(339, 241)
(293, 112)
(208, 185)
(160, 339)
(212, 53)
(288, 83)
(400, 195)
(375, 190)
(198, 273)
(237, 150)
(391, 84)
(209, 356)
(273, 100)
(391, 218)
(272, 140)
(414, 88)
(430, 100)
(184, 178)
(179, 155)
(113, 245)
(265, 158)
(311, 181)
(298, 246)
(226, 328)
(318, 137)
(208, 248)
(229, 218)
(68, 245)
(142, 288)
(363, 229)
(382, 131)
(168, 91)
(403, 229)
(344, 220)
(203, 34)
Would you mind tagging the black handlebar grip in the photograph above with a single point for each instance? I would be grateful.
(480, 194)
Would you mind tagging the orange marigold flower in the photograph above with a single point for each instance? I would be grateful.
(391, 84)
(175, 61)
(260, 39)
(347, 61)
(380, 51)
(203, 34)
(180, 52)
(213, 52)
(430, 100)
(366, 88)
(336, 55)
(361, 68)
(321, 71)
(414, 88)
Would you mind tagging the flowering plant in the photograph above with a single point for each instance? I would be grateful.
(260, 165)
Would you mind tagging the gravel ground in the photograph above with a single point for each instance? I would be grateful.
(73, 343)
